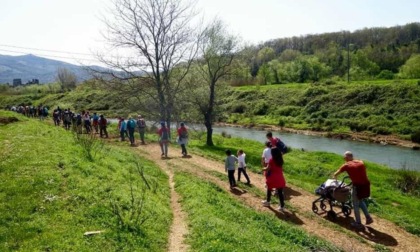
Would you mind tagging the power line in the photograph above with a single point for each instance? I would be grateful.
(51, 56)
(37, 49)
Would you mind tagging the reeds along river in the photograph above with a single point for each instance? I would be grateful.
(393, 156)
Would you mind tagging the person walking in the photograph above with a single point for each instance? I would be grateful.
(131, 127)
(230, 168)
(95, 122)
(356, 170)
(275, 178)
(183, 138)
(242, 166)
(266, 155)
(163, 133)
(123, 129)
(141, 125)
(102, 126)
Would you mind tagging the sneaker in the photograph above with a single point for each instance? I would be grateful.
(266, 203)
(357, 225)
(281, 209)
(369, 221)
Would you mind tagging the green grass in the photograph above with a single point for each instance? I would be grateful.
(50, 194)
(309, 169)
(215, 217)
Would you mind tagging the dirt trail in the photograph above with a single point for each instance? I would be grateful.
(339, 233)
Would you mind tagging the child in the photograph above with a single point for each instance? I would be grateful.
(242, 166)
(230, 167)
(276, 178)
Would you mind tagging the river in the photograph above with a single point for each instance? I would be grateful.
(392, 156)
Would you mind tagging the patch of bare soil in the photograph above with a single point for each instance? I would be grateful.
(339, 232)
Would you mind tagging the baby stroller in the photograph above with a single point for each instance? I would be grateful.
(335, 193)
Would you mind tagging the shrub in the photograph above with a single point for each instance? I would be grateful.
(408, 181)
(239, 108)
(415, 137)
(386, 75)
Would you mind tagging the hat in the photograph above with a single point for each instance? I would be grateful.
(139, 116)
(162, 123)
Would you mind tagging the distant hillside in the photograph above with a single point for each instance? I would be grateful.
(28, 67)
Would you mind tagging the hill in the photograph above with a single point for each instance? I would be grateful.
(28, 67)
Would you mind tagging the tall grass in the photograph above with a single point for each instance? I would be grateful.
(51, 194)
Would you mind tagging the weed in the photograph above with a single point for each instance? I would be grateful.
(89, 143)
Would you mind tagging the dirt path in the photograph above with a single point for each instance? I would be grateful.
(339, 233)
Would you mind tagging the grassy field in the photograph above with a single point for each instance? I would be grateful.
(309, 169)
(51, 194)
(215, 218)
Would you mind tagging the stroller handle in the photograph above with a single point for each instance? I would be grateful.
(344, 178)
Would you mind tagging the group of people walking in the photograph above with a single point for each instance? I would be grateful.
(127, 129)
(272, 163)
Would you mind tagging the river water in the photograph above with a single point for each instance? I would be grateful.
(393, 156)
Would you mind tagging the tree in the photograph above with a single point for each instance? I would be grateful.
(411, 68)
(162, 45)
(66, 78)
(217, 50)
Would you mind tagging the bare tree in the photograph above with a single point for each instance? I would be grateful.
(66, 78)
(217, 49)
(159, 39)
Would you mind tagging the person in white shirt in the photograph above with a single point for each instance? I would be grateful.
(242, 166)
(266, 155)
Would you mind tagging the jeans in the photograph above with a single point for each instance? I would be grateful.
(164, 148)
(279, 192)
(141, 132)
(243, 170)
(131, 135)
(184, 149)
(231, 176)
(357, 203)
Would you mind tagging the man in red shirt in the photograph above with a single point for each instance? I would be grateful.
(361, 186)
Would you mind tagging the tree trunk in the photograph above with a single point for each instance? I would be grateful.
(209, 128)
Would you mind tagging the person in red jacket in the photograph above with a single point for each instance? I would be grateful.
(361, 187)
(274, 177)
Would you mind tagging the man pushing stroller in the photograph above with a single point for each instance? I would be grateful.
(361, 187)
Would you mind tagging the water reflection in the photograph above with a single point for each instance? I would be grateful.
(392, 156)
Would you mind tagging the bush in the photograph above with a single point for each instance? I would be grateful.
(408, 182)
(415, 137)
(385, 75)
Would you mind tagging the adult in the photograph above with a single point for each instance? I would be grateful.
(95, 122)
(141, 125)
(276, 142)
(163, 133)
(123, 129)
(102, 126)
(356, 170)
(86, 120)
(183, 138)
(131, 126)
(274, 177)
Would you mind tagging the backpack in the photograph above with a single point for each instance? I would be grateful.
(131, 124)
(165, 134)
(141, 123)
(282, 146)
(184, 133)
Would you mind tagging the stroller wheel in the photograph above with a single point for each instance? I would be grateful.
(346, 211)
(323, 206)
(332, 215)
(314, 208)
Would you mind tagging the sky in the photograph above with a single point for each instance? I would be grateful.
(71, 30)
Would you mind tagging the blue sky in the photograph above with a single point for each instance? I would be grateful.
(75, 25)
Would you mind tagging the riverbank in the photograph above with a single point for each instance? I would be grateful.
(355, 136)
